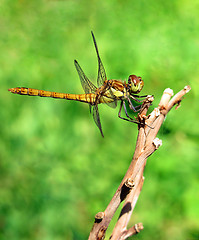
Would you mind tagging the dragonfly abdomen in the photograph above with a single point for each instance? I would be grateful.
(88, 98)
(36, 92)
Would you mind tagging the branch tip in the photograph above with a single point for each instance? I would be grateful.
(139, 227)
(187, 88)
(167, 94)
(132, 231)
(168, 91)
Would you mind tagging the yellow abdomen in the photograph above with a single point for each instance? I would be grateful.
(87, 98)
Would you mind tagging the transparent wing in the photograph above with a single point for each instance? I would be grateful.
(87, 85)
(102, 75)
(101, 71)
(97, 118)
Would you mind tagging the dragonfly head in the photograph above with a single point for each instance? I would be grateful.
(135, 84)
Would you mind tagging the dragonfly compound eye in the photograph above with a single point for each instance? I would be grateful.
(135, 83)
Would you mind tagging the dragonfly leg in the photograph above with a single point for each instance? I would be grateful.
(138, 96)
(127, 112)
(136, 108)
(134, 97)
(119, 113)
(129, 119)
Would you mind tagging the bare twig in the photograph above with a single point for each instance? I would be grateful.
(131, 185)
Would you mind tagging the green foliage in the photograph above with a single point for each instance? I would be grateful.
(56, 171)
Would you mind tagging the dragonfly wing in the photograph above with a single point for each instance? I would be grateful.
(90, 108)
(112, 104)
(87, 85)
(102, 74)
(97, 118)
(101, 70)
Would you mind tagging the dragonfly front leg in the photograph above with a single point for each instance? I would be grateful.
(134, 97)
(138, 96)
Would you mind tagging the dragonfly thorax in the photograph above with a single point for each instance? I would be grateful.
(135, 84)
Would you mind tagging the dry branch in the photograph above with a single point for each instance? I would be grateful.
(131, 185)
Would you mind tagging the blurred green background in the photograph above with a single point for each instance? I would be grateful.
(56, 171)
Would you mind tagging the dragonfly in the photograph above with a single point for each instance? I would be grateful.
(108, 91)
